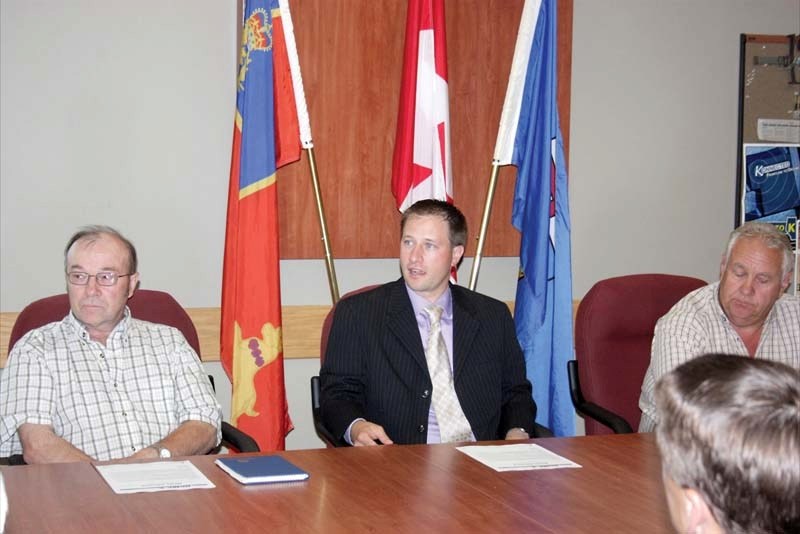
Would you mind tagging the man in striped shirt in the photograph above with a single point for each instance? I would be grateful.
(746, 313)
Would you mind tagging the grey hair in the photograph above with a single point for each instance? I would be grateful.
(770, 236)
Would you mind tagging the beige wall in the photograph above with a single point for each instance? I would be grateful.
(654, 131)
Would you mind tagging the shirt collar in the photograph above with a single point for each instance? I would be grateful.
(419, 303)
(717, 305)
(120, 329)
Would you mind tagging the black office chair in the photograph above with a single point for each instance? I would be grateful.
(321, 430)
(147, 305)
(539, 431)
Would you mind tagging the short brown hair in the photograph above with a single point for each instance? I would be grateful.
(729, 428)
(456, 221)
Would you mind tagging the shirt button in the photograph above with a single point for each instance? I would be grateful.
(425, 394)
(421, 429)
(124, 414)
(102, 355)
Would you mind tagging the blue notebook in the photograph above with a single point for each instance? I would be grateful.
(261, 469)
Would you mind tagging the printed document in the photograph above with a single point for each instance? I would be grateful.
(153, 476)
(519, 457)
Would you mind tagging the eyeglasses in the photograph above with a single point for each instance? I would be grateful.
(104, 278)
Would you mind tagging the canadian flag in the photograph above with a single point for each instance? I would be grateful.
(421, 165)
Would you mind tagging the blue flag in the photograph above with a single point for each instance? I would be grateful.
(530, 138)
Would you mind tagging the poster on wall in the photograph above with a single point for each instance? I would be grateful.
(771, 191)
(768, 162)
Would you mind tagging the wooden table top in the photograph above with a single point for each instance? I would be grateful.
(428, 488)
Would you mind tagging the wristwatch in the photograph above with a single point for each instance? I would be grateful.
(163, 452)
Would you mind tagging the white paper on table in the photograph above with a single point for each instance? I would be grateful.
(518, 457)
(153, 476)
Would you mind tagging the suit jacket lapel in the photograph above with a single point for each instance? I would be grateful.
(465, 328)
(402, 323)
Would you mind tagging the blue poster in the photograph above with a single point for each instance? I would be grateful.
(772, 188)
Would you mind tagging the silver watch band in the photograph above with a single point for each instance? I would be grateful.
(162, 452)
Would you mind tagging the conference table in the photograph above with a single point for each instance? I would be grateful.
(388, 489)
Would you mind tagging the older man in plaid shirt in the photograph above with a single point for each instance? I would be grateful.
(101, 385)
(746, 313)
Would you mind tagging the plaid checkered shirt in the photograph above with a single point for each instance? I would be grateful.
(109, 400)
(697, 325)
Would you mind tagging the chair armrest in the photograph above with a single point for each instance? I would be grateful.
(322, 431)
(326, 436)
(14, 459)
(605, 417)
(589, 409)
(241, 441)
(541, 431)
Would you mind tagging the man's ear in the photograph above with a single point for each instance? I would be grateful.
(458, 252)
(722, 265)
(787, 280)
(699, 518)
(133, 284)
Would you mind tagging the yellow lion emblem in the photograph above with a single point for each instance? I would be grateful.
(249, 356)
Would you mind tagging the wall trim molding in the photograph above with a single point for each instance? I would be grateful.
(302, 327)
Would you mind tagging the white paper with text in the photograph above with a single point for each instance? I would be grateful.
(153, 476)
(518, 457)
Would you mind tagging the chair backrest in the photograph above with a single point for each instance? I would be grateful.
(145, 304)
(322, 431)
(613, 335)
(328, 322)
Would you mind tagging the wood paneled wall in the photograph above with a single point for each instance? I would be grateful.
(351, 53)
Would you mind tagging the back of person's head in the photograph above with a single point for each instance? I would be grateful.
(456, 222)
(769, 235)
(94, 231)
(729, 429)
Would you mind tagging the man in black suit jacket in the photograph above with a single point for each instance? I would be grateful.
(376, 387)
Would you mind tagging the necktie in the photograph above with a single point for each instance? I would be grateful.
(453, 424)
